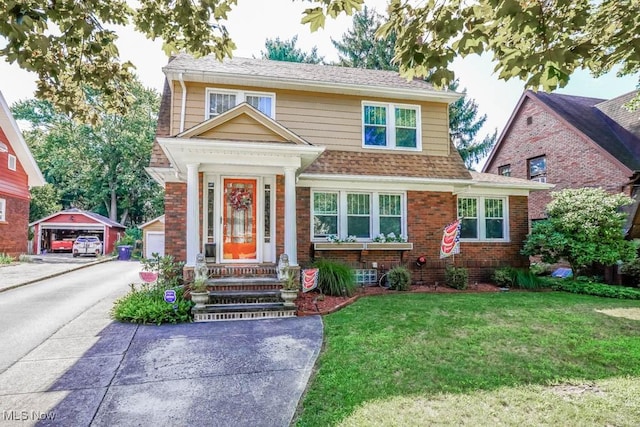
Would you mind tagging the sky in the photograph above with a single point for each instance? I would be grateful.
(252, 22)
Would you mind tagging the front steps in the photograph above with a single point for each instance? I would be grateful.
(243, 292)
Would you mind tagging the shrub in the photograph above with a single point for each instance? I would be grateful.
(632, 269)
(335, 278)
(596, 289)
(540, 268)
(399, 278)
(169, 271)
(526, 279)
(503, 277)
(456, 277)
(145, 304)
(5, 259)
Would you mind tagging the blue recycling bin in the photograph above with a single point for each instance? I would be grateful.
(124, 252)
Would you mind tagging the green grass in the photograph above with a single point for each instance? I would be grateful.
(419, 346)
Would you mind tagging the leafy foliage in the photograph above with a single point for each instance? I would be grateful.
(145, 304)
(596, 289)
(169, 271)
(335, 278)
(632, 269)
(5, 259)
(361, 47)
(399, 278)
(503, 277)
(286, 50)
(456, 277)
(101, 167)
(584, 227)
(45, 201)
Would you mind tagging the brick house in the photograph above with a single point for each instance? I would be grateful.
(570, 141)
(18, 173)
(260, 158)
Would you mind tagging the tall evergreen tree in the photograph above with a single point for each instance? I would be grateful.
(286, 50)
(359, 47)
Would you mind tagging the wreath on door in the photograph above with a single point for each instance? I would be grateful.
(240, 199)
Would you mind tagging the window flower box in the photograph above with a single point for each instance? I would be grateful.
(342, 246)
(389, 246)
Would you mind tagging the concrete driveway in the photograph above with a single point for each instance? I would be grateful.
(100, 373)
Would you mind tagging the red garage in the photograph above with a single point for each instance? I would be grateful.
(58, 231)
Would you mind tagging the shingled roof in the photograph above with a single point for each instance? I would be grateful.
(607, 123)
(386, 164)
(316, 76)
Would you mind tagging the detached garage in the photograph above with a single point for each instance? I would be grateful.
(53, 231)
(153, 237)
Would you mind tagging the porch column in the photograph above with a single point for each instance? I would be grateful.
(193, 220)
(290, 237)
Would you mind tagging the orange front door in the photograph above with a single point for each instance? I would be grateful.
(239, 219)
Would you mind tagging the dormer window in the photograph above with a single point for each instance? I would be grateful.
(391, 126)
(220, 100)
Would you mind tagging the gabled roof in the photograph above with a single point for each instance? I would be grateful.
(244, 109)
(158, 219)
(100, 218)
(20, 147)
(595, 119)
(301, 76)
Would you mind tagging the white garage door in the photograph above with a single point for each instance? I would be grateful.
(155, 243)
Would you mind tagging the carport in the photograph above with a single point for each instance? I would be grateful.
(71, 223)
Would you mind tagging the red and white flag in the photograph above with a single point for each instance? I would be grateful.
(451, 239)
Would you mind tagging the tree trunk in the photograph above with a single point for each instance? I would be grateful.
(113, 210)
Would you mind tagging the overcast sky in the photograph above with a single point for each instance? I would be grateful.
(251, 22)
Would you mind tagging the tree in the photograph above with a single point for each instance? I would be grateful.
(45, 201)
(98, 167)
(286, 50)
(540, 42)
(584, 227)
(360, 48)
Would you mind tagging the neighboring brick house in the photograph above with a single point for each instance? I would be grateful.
(18, 173)
(569, 141)
(260, 158)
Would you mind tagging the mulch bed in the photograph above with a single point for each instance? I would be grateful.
(312, 303)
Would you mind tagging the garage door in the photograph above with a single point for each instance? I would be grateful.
(155, 243)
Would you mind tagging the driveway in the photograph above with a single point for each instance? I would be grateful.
(95, 372)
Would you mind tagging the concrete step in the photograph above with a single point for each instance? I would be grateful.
(243, 270)
(243, 283)
(220, 312)
(244, 296)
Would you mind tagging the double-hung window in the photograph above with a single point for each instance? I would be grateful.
(363, 215)
(483, 218)
(538, 169)
(220, 100)
(3, 210)
(394, 126)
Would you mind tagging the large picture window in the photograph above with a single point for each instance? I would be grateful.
(391, 126)
(483, 218)
(359, 214)
(220, 100)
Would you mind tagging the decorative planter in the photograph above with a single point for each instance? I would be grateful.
(200, 298)
(345, 246)
(289, 296)
(390, 246)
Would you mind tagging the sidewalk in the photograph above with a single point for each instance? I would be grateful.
(42, 267)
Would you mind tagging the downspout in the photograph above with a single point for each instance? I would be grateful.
(183, 107)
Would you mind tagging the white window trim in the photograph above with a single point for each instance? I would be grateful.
(481, 217)
(391, 125)
(3, 210)
(12, 162)
(374, 217)
(241, 96)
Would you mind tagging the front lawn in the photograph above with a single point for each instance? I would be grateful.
(400, 351)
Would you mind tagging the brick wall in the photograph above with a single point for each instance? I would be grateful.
(175, 226)
(13, 230)
(428, 213)
(572, 161)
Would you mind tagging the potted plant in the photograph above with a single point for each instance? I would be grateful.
(290, 287)
(199, 293)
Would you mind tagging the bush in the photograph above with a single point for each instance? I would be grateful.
(595, 289)
(540, 268)
(5, 259)
(145, 304)
(399, 278)
(335, 278)
(169, 271)
(504, 277)
(456, 277)
(632, 269)
(526, 279)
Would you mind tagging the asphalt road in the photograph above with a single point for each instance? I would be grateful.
(32, 313)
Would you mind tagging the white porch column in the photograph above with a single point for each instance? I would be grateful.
(193, 221)
(290, 237)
